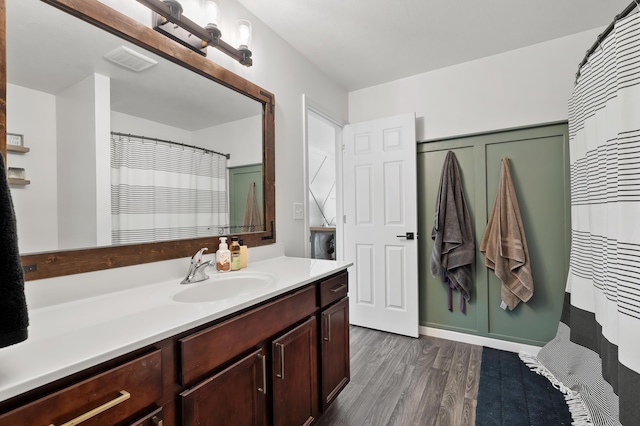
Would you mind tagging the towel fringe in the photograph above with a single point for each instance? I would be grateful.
(579, 411)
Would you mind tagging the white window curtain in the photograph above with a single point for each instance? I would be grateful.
(164, 191)
(597, 349)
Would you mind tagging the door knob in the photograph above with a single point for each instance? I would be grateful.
(408, 236)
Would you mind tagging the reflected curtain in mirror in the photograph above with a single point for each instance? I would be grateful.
(163, 191)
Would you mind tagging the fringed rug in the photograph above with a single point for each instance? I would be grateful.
(510, 394)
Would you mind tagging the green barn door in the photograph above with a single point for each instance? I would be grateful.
(239, 180)
(539, 166)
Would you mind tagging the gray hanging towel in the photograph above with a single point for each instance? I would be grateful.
(13, 305)
(453, 251)
(505, 244)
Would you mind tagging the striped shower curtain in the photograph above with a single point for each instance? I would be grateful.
(597, 349)
(162, 191)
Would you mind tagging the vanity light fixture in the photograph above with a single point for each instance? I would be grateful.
(169, 20)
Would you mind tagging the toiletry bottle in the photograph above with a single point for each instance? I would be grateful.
(223, 256)
(235, 254)
(243, 255)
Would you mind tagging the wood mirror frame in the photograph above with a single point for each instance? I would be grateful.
(59, 263)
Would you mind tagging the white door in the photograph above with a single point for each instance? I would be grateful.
(380, 206)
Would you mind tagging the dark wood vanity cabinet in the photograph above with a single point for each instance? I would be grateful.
(280, 378)
(235, 396)
(295, 376)
(284, 383)
(108, 398)
(335, 350)
(279, 363)
(334, 337)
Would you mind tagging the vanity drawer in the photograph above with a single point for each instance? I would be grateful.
(203, 351)
(111, 397)
(334, 288)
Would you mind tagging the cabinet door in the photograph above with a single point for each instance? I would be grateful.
(235, 396)
(295, 376)
(335, 350)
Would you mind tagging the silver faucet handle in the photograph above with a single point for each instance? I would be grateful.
(197, 258)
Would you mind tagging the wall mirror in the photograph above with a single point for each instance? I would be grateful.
(72, 106)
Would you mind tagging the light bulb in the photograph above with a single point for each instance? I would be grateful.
(211, 13)
(243, 34)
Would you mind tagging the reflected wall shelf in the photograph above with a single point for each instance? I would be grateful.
(18, 181)
(16, 148)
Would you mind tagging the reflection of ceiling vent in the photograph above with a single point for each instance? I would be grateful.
(130, 59)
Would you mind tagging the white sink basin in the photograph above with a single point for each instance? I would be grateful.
(224, 286)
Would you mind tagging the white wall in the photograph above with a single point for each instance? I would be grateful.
(241, 139)
(223, 138)
(281, 70)
(518, 88)
(84, 195)
(33, 114)
(125, 123)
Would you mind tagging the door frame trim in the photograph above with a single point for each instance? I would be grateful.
(310, 106)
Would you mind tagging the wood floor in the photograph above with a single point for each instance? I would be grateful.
(397, 380)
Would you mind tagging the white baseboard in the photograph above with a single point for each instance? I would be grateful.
(480, 340)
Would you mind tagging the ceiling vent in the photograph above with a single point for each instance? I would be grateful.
(130, 59)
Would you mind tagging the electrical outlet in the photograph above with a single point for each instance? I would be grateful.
(298, 211)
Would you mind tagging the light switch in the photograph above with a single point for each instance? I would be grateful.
(298, 211)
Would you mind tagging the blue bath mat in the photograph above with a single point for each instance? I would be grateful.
(510, 394)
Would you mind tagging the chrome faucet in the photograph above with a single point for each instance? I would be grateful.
(196, 268)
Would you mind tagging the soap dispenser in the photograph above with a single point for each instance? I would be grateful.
(243, 255)
(235, 254)
(223, 256)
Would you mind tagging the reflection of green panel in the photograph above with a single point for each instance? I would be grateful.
(539, 166)
(433, 292)
(239, 180)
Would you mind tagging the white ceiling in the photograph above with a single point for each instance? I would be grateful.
(361, 43)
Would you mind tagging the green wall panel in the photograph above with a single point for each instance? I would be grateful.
(433, 292)
(539, 166)
(538, 171)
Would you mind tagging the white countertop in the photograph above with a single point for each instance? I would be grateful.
(73, 334)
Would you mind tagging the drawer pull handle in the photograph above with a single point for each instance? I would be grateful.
(328, 337)
(338, 288)
(157, 421)
(281, 373)
(124, 395)
(263, 389)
